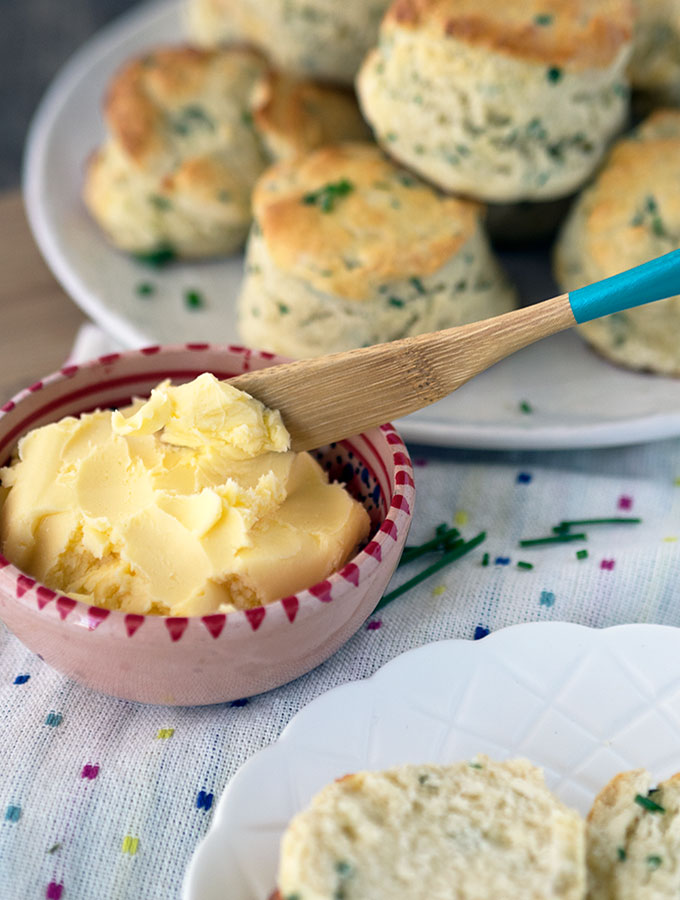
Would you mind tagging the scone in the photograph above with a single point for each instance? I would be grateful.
(293, 116)
(633, 839)
(629, 215)
(347, 249)
(178, 169)
(323, 39)
(655, 64)
(500, 101)
(479, 829)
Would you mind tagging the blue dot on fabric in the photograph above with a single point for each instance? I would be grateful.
(21, 679)
(236, 703)
(481, 632)
(547, 598)
(502, 560)
(524, 478)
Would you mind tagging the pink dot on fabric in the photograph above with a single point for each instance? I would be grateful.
(54, 890)
(608, 564)
(374, 624)
(625, 502)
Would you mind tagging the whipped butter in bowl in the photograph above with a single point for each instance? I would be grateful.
(173, 549)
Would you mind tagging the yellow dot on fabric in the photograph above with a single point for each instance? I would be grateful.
(461, 517)
(439, 590)
(671, 539)
(676, 482)
(165, 733)
(130, 844)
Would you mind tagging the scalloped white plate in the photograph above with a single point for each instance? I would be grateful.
(581, 703)
(577, 399)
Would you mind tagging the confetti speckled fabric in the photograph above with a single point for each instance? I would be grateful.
(101, 798)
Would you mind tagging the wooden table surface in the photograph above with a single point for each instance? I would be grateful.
(38, 322)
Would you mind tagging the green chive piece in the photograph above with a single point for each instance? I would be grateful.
(194, 299)
(145, 288)
(648, 804)
(445, 539)
(396, 301)
(566, 524)
(418, 285)
(524, 565)
(327, 195)
(621, 853)
(581, 554)
(485, 559)
(475, 765)
(156, 258)
(543, 19)
(654, 861)
(555, 539)
(445, 560)
(525, 407)
(283, 309)
(554, 74)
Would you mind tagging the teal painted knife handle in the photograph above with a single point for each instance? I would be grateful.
(655, 280)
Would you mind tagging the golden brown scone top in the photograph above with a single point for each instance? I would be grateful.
(294, 117)
(160, 98)
(346, 219)
(632, 211)
(578, 34)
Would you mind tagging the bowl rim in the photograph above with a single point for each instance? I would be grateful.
(395, 519)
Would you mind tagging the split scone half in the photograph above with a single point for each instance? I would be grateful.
(627, 216)
(468, 831)
(324, 39)
(502, 101)
(348, 249)
(633, 839)
(190, 131)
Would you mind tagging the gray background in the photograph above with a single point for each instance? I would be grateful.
(36, 38)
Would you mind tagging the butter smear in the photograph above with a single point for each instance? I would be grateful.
(186, 504)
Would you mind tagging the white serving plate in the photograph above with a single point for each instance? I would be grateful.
(578, 400)
(581, 703)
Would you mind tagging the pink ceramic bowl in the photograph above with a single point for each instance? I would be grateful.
(216, 658)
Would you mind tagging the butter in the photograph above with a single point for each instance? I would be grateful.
(186, 504)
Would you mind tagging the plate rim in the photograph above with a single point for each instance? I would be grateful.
(496, 638)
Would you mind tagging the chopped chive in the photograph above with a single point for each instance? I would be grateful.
(156, 258)
(525, 407)
(485, 559)
(566, 524)
(194, 299)
(247, 117)
(581, 554)
(543, 19)
(445, 560)
(555, 539)
(475, 765)
(621, 853)
(396, 301)
(654, 861)
(554, 74)
(418, 285)
(326, 196)
(524, 565)
(145, 288)
(445, 539)
(648, 804)
(161, 203)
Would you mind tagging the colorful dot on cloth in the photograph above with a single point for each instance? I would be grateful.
(54, 719)
(21, 679)
(374, 624)
(89, 771)
(524, 478)
(676, 482)
(54, 890)
(12, 813)
(164, 733)
(625, 502)
(547, 598)
(204, 800)
(439, 590)
(461, 517)
(236, 703)
(581, 554)
(671, 539)
(607, 564)
(130, 845)
(481, 632)
(502, 561)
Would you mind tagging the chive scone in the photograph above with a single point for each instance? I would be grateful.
(655, 64)
(323, 39)
(479, 829)
(500, 101)
(633, 839)
(176, 173)
(347, 249)
(190, 132)
(629, 215)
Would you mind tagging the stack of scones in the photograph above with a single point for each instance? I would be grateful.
(374, 216)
